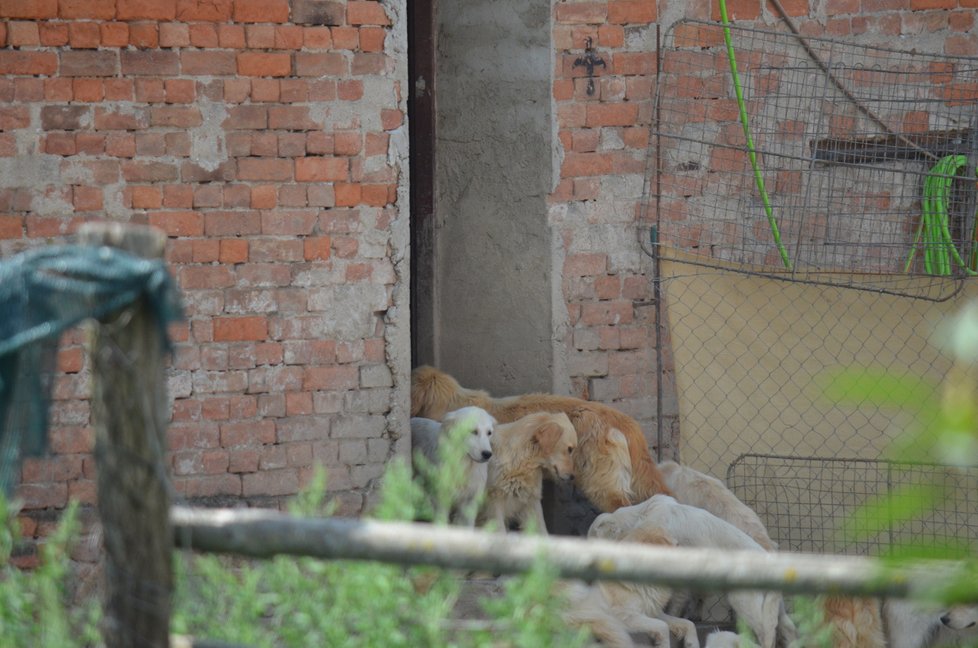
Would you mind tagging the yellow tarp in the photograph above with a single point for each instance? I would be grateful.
(749, 352)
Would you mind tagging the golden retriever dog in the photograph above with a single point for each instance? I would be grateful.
(698, 489)
(471, 470)
(522, 452)
(602, 470)
(763, 612)
(856, 622)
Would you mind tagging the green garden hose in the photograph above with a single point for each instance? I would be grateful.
(751, 152)
(934, 233)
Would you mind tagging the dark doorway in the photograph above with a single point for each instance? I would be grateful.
(421, 124)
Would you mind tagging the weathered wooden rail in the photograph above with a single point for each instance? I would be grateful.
(264, 534)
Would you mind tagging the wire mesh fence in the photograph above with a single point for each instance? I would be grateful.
(847, 241)
(815, 503)
(865, 158)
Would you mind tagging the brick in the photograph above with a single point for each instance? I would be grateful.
(28, 63)
(240, 328)
(134, 119)
(372, 39)
(11, 227)
(90, 90)
(233, 251)
(118, 89)
(265, 89)
(64, 117)
(260, 36)
(351, 90)
(29, 9)
(204, 35)
(611, 114)
(175, 117)
(23, 34)
(144, 35)
(346, 38)
(582, 12)
(87, 199)
(264, 64)
(626, 12)
(361, 12)
(321, 169)
(157, 63)
(316, 64)
(147, 197)
(738, 10)
(174, 35)
(265, 169)
(288, 37)
(180, 90)
(585, 164)
(632, 63)
(53, 34)
(39, 496)
(87, 9)
(290, 118)
(203, 10)
(231, 223)
(261, 11)
(231, 36)
(391, 119)
(271, 482)
(289, 223)
(318, 12)
(347, 194)
(114, 34)
(134, 171)
(146, 9)
(369, 64)
(179, 223)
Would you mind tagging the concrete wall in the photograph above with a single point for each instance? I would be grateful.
(493, 257)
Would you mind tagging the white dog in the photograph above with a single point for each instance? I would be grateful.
(910, 624)
(695, 527)
(698, 489)
(426, 437)
(613, 609)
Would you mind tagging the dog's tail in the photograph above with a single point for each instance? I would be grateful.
(646, 478)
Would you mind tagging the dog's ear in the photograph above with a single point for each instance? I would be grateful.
(616, 438)
(546, 436)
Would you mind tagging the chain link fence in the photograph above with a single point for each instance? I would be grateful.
(836, 229)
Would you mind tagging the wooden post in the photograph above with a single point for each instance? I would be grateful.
(129, 415)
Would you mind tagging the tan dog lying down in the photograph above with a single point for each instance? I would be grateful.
(614, 609)
(522, 452)
(602, 472)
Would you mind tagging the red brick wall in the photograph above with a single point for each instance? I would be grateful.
(261, 136)
(607, 282)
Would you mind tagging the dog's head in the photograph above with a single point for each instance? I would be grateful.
(478, 427)
(961, 617)
(555, 441)
(604, 468)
